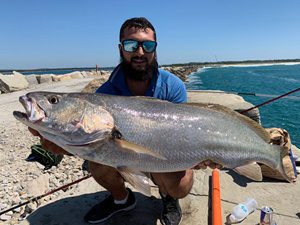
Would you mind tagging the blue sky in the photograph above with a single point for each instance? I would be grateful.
(83, 33)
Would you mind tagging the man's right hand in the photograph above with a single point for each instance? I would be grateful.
(48, 145)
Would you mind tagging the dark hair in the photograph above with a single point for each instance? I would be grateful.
(137, 22)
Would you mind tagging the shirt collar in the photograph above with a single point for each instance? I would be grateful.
(117, 79)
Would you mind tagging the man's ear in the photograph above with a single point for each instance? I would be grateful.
(120, 50)
(121, 53)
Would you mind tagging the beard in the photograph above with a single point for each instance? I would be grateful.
(139, 74)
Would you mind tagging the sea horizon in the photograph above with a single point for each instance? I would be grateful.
(243, 63)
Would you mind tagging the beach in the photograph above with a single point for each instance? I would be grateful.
(21, 180)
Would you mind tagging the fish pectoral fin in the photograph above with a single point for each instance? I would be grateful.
(251, 171)
(136, 179)
(128, 146)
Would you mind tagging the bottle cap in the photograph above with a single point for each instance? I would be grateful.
(232, 218)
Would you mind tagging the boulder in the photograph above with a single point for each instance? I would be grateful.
(37, 186)
(74, 75)
(45, 78)
(93, 85)
(181, 71)
(105, 73)
(100, 73)
(5, 217)
(84, 74)
(14, 82)
(58, 78)
(32, 79)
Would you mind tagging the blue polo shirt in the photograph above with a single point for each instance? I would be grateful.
(164, 85)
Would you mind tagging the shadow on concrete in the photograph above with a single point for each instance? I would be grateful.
(239, 179)
(209, 207)
(71, 210)
(243, 181)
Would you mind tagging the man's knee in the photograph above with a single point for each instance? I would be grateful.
(96, 168)
(99, 170)
(177, 185)
(184, 186)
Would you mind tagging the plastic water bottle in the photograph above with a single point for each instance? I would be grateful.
(242, 210)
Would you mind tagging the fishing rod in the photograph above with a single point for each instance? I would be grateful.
(269, 101)
(250, 94)
(46, 194)
(265, 95)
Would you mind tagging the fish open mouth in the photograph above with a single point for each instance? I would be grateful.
(34, 112)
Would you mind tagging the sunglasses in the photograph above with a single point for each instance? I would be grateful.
(133, 45)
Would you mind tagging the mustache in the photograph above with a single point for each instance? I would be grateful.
(139, 58)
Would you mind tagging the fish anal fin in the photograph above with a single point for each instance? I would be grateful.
(134, 148)
(251, 171)
(136, 179)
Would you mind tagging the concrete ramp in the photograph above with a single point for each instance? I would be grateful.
(232, 101)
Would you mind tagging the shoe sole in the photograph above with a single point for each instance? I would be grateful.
(106, 218)
(162, 223)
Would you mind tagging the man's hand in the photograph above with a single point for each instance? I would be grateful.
(48, 145)
(207, 163)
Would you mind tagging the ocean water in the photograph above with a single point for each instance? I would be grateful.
(59, 71)
(273, 80)
(56, 72)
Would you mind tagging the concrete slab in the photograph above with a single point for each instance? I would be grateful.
(283, 197)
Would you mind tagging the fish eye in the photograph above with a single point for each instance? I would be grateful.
(53, 99)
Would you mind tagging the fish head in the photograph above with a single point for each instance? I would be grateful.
(66, 118)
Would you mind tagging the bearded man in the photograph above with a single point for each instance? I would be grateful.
(138, 74)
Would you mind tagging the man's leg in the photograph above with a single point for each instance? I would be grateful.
(109, 178)
(176, 184)
(121, 199)
(173, 186)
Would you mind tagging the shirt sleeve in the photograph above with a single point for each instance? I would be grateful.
(178, 91)
(107, 88)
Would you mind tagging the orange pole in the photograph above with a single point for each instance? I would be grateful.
(216, 198)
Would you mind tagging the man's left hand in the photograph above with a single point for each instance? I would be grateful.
(207, 163)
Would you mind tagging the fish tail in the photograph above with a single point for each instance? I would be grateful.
(280, 167)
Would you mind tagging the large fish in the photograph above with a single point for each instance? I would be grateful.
(136, 134)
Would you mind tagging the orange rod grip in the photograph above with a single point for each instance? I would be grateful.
(216, 198)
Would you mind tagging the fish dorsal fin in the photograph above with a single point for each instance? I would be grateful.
(137, 149)
(198, 104)
(149, 99)
(256, 127)
(252, 171)
(137, 179)
(144, 97)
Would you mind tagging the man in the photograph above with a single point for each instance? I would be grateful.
(138, 74)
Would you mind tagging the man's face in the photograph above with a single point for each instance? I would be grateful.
(139, 61)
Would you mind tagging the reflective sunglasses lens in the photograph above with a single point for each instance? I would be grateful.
(130, 45)
(149, 46)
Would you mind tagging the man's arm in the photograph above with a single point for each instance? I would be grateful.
(173, 87)
(48, 145)
(107, 88)
(179, 94)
